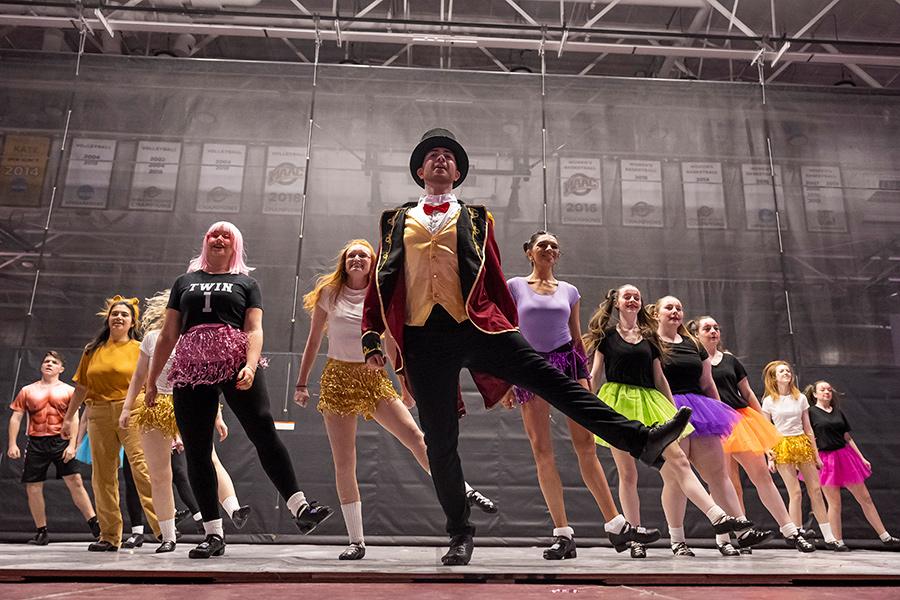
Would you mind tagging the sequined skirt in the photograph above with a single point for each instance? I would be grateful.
(568, 358)
(159, 417)
(353, 389)
(794, 450)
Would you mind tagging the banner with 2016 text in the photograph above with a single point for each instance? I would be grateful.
(285, 170)
(581, 194)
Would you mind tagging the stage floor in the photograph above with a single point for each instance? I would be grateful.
(265, 563)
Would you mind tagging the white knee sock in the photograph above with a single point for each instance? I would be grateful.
(615, 525)
(788, 530)
(294, 503)
(214, 527)
(230, 504)
(167, 528)
(676, 535)
(826, 532)
(353, 519)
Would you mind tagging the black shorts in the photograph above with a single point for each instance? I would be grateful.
(43, 450)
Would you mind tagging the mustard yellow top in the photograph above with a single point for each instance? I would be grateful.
(432, 272)
(107, 371)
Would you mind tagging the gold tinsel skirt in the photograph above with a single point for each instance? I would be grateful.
(794, 450)
(353, 389)
(161, 416)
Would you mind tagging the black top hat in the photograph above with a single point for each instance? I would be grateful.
(438, 138)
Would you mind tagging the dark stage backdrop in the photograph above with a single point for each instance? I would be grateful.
(659, 183)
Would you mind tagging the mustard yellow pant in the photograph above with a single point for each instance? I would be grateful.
(106, 439)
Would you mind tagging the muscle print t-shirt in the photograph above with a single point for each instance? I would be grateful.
(203, 297)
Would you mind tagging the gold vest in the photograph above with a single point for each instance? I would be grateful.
(432, 272)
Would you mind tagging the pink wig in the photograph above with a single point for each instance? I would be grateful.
(238, 264)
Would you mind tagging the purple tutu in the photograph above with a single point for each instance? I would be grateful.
(709, 416)
(843, 467)
(208, 354)
(568, 358)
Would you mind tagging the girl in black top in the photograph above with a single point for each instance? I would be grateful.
(843, 465)
(628, 353)
(216, 308)
(689, 373)
(754, 434)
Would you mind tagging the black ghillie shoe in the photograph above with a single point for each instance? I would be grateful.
(41, 538)
(166, 547)
(727, 524)
(638, 550)
(660, 436)
(727, 549)
(102, 546)
(460, 551)
(753, 537)
(240, 516)
(642, 535)
(682, 549)
(135, 540)
(561, 549)
(213, 545)
(478, 499)
(353, 552)
(311, 515)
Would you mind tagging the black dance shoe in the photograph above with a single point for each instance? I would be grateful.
(166, 547)
(353, 552)
(892, 543)
(311, 515)
(638, 550)
(745, 550)
(102, 546)
(213, 545)
(837, 546)
(799, 542)
(809, 534)
(41, 538)
(240, 516)
(478, 499)
(181, 515)
(727, 524)
(682, 549)
(460, 551)
(135, 540)
(629, 533)
(753, 537)
(94, 524)
(660, 436)
(727, 549)
(561, 549)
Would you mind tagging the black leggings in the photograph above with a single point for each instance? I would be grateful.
(132, 498)
(181, 483)
(195, 412)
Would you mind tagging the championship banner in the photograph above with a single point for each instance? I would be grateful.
(823, 197)
(89, 173)
(704, 196)
(759, 200)
(285, 168)
(581, 196)
(155, 176)
(642, 196)
(221, 178)
(23, 164)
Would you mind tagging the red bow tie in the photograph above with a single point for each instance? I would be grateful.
(430, 209)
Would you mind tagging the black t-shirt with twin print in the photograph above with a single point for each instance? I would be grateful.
(203, 297)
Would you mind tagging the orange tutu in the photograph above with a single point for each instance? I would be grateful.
(753, 433)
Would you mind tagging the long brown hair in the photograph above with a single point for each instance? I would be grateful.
(810, 393)
(134, 332)
(694, 327)
(599, 323)
(771, 384)
(683, 331)
(337, 279)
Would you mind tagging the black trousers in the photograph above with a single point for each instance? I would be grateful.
(195, 413)
(434, 356)
(181, 483)
(132, 499)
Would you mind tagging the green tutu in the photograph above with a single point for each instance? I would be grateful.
(646, 405)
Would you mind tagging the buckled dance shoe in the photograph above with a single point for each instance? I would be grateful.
(311, 515)
(240, 516)
(662, 435)
(561, 549)
(213, 545)
(799, 542)
(135, 540)
(727, 549)
(837, 546)
(102, 546)
(353, 552)
(166, 547)
(460, 551)
(728, 524)
(41, 538)
(892, 543)
(642, 535)
(753, 537)
(476, 498)
(682, 549)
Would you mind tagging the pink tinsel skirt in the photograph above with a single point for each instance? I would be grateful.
(208, 354)
(568, 358)
(843, 467)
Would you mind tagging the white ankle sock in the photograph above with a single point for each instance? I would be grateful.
(615, 525)
(353, 519)
(214, 527)
(722, 538)
(167, 528)
(230, 504)
(676, 535)
(469, 488)
(715, 514)
(137, 529)
(566, 532)
(885, 536)
(788, 530)
(294, 503)
(826, 532)
(198, 516)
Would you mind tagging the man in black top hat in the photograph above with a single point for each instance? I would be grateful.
(440, 293)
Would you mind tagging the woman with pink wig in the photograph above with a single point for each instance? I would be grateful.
(216, 309)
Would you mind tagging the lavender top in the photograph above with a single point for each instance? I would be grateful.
(544, 319)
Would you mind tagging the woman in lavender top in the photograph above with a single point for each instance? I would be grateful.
(549, 321)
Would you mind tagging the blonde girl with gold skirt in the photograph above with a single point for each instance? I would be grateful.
(159, 431)
(349, 389)
(788, 409)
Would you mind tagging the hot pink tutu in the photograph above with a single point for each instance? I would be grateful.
(843, 467)
(709, 416)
